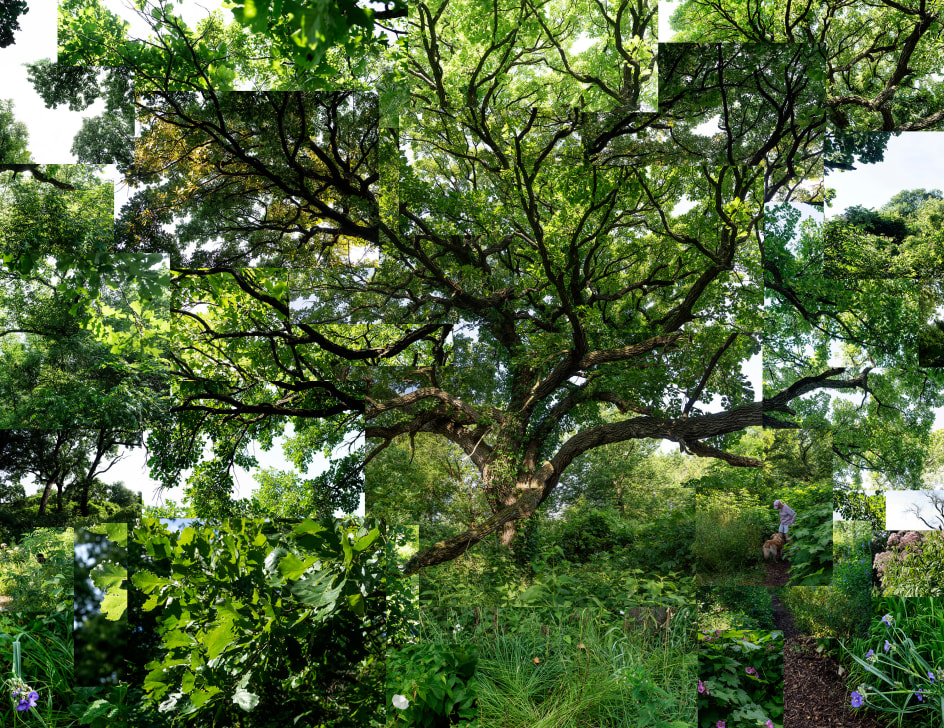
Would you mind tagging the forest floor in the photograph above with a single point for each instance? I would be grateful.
(783, 620)
(4, 601)
(814, 693)
(778, 573)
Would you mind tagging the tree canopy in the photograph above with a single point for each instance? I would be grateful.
(881, 57)
(527, 232)
(285, 45)
(104, 139)
(10, 12)
(904, 238)
(13, 136)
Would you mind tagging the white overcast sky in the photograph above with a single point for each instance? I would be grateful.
(132, 471)
(912, 161)
(897, 502)
(50, 130)
(665, 12)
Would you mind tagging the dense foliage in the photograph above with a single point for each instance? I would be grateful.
(740, 678)
(36, 571)
(896, 669)
(879, 58)
(489, 259)
(902, 239)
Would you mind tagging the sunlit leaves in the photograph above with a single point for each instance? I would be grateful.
(234, 590)
(111, 577)
(307, 31)
(303, 196)
(591, 55)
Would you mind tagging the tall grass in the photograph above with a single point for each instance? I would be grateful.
(728, 528)
(45, 648)
(554, 672)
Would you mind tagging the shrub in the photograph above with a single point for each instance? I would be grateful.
(741, 679)
(734, 607)
(811, 546)
(913, 566)
(727, 530)
(35, 586)
(587, 531)
(432, 685)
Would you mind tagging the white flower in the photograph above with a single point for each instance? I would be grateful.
(400, 701)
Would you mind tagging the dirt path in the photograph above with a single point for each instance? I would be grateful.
(783, 620)
(778, 573)
(814, 693)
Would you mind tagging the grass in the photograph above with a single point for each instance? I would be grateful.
(45, 646)
(727, 537)
(586, 673)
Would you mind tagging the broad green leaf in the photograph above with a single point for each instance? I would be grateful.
(316, 591)
(365, 541)
(291, 567)
(245, 699)
(108, 575)
(177, 638)
(218, 639)
(148, 582)
(114, 604)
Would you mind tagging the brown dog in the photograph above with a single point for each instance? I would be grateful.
(774, 547)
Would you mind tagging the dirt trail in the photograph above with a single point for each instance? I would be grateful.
(778, 573)
(814, 693)
(783, 620)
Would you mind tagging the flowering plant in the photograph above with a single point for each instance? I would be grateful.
(904, 681)
(739, 685)
(24, 697)
(913, 565)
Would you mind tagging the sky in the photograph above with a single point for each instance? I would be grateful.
(132, 471)
(665, 12)
(50, 130)
(898, 501)
(912, 161)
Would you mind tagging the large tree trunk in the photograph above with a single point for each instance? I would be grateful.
(45, 500)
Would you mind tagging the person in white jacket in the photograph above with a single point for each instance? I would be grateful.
(787, 516)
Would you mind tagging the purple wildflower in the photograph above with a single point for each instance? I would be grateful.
(28, 702)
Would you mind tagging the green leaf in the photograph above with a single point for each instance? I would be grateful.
(245, 699)
(148, 582)
(177, 638)
(219, 639)
(108, 575)
(117, 532)
(357, 604)
(365, 541)
(200, 697)
(291, 567)
(114, 604)
(316, 591)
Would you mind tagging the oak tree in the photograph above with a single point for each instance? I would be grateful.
(881, 57)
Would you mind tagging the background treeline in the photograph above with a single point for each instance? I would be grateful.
(903, 238)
